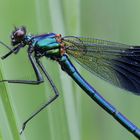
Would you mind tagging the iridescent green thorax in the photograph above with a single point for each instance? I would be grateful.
(48, 43)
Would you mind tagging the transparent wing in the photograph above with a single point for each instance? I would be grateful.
(114, 62)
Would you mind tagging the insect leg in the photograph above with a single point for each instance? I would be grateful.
(39, 78)
(56, 94)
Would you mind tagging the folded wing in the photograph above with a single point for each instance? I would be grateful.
(114, 62)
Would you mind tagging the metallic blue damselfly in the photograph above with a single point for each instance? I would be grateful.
(113, 62)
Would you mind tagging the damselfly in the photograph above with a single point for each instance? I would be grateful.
(116, 63)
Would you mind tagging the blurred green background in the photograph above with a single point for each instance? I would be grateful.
(74, 116)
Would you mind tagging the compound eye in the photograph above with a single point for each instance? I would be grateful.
(19, 34)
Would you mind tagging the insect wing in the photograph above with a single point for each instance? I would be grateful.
(114, 62)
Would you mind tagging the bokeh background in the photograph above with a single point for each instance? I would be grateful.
(74, 116)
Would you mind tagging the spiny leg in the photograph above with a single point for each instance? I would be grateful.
(56, 94)
(39, 78)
